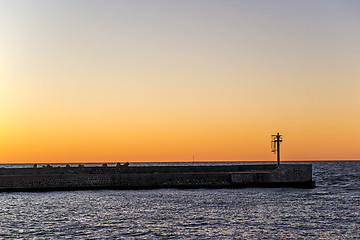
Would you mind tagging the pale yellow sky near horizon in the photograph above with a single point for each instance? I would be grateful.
(85, 81)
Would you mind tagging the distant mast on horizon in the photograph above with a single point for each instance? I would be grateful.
(275, 146)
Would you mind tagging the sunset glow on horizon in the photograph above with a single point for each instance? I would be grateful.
(135, 81)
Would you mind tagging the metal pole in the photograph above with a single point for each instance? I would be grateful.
(278, 148)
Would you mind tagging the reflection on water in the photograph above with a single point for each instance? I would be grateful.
(330, 211)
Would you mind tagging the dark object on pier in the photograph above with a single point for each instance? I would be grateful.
(275, 146)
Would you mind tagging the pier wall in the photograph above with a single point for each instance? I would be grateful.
(233, 176)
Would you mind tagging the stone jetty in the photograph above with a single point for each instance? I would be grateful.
(48, 178)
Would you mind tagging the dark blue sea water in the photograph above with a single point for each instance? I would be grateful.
(330, 211)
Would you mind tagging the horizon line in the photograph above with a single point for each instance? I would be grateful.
(187, 161)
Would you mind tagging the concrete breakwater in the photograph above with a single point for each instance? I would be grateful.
(148, 177)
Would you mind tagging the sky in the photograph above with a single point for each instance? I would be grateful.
(160, 80)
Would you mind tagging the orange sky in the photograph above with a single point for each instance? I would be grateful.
(163, 81)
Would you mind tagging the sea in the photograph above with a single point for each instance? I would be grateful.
(329, 211)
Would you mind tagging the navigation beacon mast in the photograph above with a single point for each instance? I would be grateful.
(275, 145)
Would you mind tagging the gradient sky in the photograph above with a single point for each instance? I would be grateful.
(102, 81)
